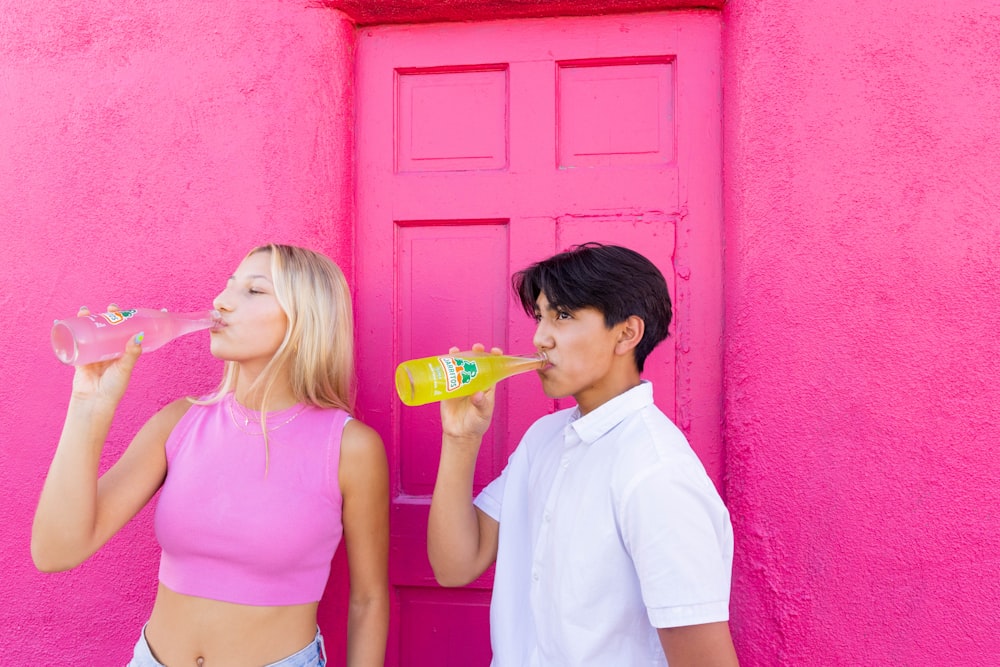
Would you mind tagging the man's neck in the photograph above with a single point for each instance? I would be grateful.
(611, 386)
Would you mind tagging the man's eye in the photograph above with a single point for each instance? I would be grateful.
(563, 315)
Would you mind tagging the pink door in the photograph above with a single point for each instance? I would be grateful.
(484, 147)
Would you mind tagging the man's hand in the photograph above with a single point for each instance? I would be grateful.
(466, 419)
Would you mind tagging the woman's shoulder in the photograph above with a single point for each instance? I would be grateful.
(160, 427)
(361, 445)
(170, 414)
(363, 464)
(357, 434)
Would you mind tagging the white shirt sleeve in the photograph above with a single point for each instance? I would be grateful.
(490, 498)
(677, 532)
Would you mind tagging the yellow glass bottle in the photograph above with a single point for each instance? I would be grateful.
(430, 379)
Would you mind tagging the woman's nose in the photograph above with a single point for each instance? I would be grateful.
(220, 302)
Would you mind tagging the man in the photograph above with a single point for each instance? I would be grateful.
(611, 543)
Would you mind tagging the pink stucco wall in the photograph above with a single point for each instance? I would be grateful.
(144, 147)
(862, 375)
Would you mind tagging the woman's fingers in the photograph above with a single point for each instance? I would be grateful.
(84, 311)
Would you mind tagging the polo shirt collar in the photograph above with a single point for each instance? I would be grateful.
(594, 425)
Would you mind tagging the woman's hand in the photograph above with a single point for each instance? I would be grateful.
(469, 417)
(106, 380)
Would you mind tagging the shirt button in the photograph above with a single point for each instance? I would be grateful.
(534, 575)
(547, 517)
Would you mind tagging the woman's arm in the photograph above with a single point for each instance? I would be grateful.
(364, 484)
(77, 512)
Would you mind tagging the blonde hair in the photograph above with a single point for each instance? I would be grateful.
(317, 353)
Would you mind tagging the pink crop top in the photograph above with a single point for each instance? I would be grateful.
(231, 532)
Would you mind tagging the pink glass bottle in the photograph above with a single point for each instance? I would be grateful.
(103, 336)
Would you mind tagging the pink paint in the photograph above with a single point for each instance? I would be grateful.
(144, 148)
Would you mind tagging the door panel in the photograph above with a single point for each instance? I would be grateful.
(615, 113)
(437, 264)
(485, 147)
(451, 120)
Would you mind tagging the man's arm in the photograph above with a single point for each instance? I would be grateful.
(705, 645)
(461, 539)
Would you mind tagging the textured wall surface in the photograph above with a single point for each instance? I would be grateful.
(862, 373)
(144, 148)
(367, 12)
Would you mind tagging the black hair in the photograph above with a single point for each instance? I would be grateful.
(614, 280)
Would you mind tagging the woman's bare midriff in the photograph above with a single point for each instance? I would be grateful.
(185, 630)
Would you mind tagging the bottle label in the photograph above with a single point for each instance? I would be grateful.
(118, 317)
(458, 372)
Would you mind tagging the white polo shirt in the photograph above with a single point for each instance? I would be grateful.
(609, 529)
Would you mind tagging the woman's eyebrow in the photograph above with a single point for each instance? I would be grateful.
(253, 276)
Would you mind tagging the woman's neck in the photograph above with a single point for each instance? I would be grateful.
(279, 396)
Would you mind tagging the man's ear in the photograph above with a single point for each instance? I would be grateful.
(630, 333)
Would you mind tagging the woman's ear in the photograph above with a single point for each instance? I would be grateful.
(630, 333)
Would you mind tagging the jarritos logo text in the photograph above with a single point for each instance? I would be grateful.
(458, 372)
(118, 317)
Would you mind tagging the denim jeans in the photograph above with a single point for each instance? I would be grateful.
(313, 655)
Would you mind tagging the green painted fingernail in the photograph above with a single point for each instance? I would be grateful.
(139, 337)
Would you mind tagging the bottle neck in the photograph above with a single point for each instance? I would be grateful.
(204, 318)
(207, 315)
(195, 321)
(523, 363)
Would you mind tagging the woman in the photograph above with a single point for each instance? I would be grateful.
(259, 480)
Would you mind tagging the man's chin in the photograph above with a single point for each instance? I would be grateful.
(553, 392)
